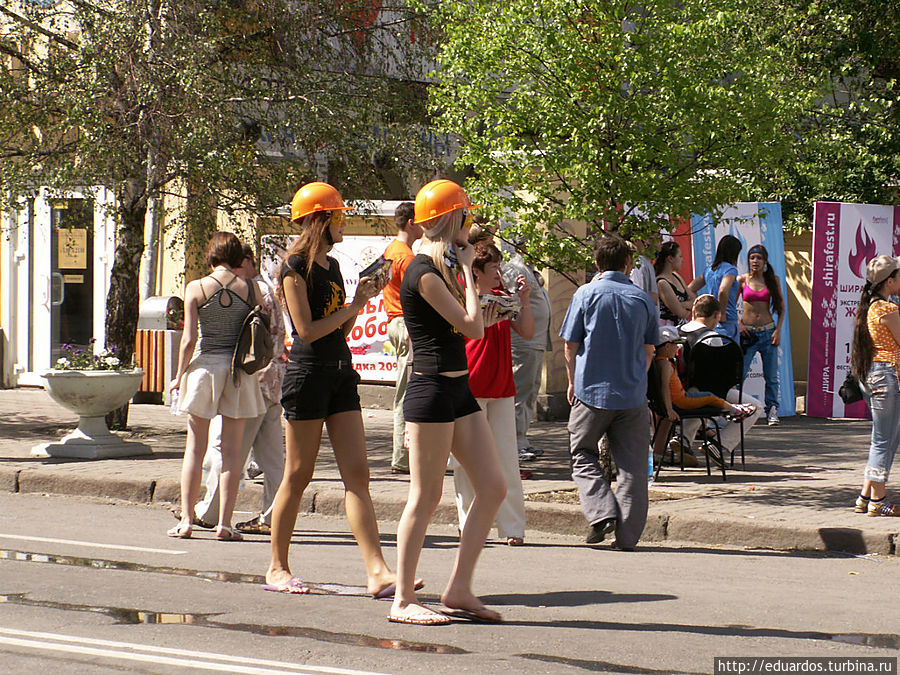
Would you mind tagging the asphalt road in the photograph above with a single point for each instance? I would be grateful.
(94, 587)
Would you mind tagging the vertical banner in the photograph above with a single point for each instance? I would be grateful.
(752, 223)
(845, 238)
(373, 356)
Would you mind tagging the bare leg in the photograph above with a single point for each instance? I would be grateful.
(873, 489)
(473, 447)
(302, 439)
(349, 442)
(191, 467)
(232, 455)
(429, 449)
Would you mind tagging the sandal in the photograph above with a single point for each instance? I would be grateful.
(182, 530)
(227, 534)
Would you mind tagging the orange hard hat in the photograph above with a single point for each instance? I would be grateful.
(439, 197)
(314, 197)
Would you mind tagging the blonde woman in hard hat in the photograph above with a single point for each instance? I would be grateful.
(442, 415)
(320, 387)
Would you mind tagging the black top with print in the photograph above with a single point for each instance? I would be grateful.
(325, 293)
(437, 346)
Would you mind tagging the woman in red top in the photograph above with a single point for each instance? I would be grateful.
(491, 381)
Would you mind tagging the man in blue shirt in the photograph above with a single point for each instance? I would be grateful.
(611, 330)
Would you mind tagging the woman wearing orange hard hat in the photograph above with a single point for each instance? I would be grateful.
(442, 415)
(320, 387)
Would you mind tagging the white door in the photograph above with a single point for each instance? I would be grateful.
(65, 259)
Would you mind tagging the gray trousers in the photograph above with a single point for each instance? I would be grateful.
(265, 436)
(399, 339)
(527, 378)
(629, 438)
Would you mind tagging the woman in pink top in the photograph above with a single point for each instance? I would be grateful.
(760, 330)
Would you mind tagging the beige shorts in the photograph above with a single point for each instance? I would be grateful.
(207, 389)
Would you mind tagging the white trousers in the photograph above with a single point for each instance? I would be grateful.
(501, 416)
(265, 436)
(731, 432)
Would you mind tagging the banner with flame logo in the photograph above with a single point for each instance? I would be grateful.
(845, 238)
(752, 223)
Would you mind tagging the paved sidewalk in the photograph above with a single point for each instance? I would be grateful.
(796, 492)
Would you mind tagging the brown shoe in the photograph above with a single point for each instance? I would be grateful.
(194, 521)
(255, 526)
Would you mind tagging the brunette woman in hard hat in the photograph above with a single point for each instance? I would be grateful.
(441, 413)
(320, 387)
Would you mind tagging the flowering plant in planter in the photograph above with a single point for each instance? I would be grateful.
(77, 358)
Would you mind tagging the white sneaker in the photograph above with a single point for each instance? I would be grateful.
(772, 417)
(526, 456)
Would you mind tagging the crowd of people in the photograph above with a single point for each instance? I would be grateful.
(470, 331)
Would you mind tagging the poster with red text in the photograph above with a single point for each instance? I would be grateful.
(845, 238)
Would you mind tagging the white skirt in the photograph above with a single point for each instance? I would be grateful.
(208, 389)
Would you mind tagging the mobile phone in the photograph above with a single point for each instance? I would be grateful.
(376, 268)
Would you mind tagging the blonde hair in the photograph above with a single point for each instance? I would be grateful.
(438, 233)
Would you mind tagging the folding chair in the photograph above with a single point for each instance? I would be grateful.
(707, 413)
(715, 363)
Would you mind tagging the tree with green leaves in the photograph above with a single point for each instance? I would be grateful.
(234, 102)
(615, 113)
(848, 145)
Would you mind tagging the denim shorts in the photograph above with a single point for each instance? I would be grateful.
(315, 390)
(438, 398)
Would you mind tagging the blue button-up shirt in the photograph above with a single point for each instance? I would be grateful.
(612, 320)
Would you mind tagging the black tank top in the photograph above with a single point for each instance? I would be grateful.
(680, 294)
(437, 346)
(325, 293)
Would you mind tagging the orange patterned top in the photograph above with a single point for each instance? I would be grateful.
(886, 348)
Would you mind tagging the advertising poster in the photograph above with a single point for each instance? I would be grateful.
(845, 238)
(752, 223)
(373, 356)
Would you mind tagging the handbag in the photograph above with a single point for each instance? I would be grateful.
(255, 347)
(849, 391)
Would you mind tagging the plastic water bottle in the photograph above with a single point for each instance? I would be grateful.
(173, 394)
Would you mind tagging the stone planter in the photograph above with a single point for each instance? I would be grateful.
(91, 394)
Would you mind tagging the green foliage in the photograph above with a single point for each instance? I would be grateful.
(569, 109)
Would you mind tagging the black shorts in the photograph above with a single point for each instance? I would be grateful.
(438, 398)
(314, 391)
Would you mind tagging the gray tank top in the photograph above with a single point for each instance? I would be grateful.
(221, 316)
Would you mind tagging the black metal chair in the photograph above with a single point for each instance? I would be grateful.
(715, 363)
(711, 448)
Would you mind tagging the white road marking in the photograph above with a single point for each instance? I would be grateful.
(92, 544)
(160, 655)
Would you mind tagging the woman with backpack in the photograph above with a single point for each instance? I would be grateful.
(214, 311)
(320, 387)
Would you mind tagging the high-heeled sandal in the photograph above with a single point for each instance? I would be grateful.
(182, 530)
(227, 534)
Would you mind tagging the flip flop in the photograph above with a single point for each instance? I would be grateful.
(293, 587)
(482, 615)
(389, 590)
(427, 618)
(180, 531)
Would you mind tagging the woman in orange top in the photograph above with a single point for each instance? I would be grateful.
(874, 359)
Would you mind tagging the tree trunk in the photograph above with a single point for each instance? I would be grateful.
(123, 301)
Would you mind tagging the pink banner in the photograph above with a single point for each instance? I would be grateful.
(845, 238)
(826, 235)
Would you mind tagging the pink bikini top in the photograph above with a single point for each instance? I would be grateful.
(750, 295)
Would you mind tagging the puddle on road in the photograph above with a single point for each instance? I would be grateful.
(211, 575)
(125, 615)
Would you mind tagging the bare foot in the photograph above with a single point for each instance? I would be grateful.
(469, 604)
(417, 614)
